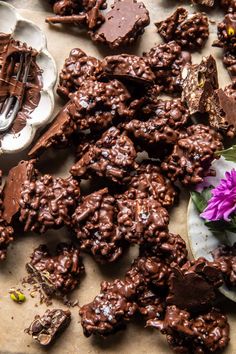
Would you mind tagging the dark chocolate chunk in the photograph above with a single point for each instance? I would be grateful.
(113, 156)
(128, 67)
(167, 61)
(12, 190)
(190, 31)
(229, 61)
(199, 82)
(78, 67)
(59, 274)
(94, 225)
(123, 23)
(222, 112)
(193, 154)
(47, 202)
(44, 329)
(205, 333)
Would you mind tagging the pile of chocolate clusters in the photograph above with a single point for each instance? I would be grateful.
(114, 110)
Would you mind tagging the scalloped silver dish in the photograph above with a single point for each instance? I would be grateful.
(201, 240)
(26, 31)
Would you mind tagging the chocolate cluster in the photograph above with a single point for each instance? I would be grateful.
(225, 257)
(190, 31)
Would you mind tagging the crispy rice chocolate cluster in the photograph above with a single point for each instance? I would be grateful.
(166, 61)
(123, 24)
(96, 105)
(94, 225)
(128, 67)
(44, 329)
(81, 13)
(47, 202)
(78, 67)
(192, 155)
(160, 132)
(113, 156)
(190, 31)
(110, 310)
(59, 274)
(228, 5)
(204, 333)
(225, 257)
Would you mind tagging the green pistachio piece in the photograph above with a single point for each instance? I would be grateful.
(17, 296)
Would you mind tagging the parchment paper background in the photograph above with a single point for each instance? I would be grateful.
(13, 317)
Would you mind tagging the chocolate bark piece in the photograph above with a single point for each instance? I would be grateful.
(57, 134)
(225, 257)
(113, 156)
(167, 61)
(12, 190)
(47, 202)
(57, 274)
(193, 154)
(94, 225)
(171, 247)
(199, 82)
(109, 311)
(78, 67)
(123, 24)
(229, 62)
(140, 219)
(193, 287)
(149, 180)
(128, 67)
(160, 132)
(228, 5)
(226, 32)
(81, 13)
(46, 328)
(222, 112)
(190, 31)
(205, 333)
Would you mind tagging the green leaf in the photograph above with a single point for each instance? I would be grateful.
(228, 154)
(200, 200)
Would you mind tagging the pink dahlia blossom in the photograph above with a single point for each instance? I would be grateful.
(223, 201)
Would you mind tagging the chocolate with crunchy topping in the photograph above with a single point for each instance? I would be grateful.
(44, 329)
(190, 31)
(225, 257)
(59, 274)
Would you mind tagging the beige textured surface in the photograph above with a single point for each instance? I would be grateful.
(13, 317)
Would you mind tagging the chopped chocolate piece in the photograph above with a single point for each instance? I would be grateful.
(222, 112)
(12, 190)
(190, 31)
(160, 132)
(94, 225)
(149, 180)
(206, 333)
(225, 257)
(44, 329)
(226, 31)
(47, 202)
(193, 154)
(167, 61)
(199, 82)
(194, 288)
(108, 312)
(77, 68)
(140, 219)
(81, 13)
(128, 67)
(59, 274)
(123, 23)
(228, 5)
(229, 61)
(113, 156)
(57, 134)
(171, 247)
(96, 105)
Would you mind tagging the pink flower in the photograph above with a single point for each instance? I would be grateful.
(223, 201)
